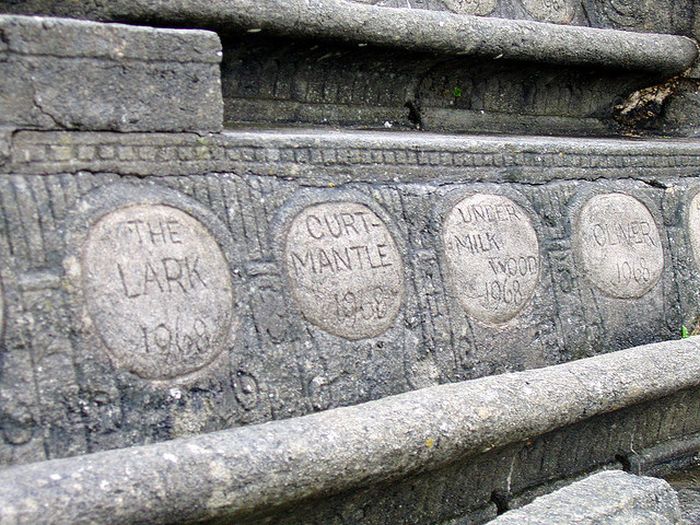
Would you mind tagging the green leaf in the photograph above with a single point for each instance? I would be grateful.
(457, 92)
(684, 332)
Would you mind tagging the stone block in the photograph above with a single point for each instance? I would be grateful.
(65, 74)
(607, 498)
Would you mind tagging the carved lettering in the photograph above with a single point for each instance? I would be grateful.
(492, 253)
(158, 289)
(557, 11)
(344, 269)
(618, 243)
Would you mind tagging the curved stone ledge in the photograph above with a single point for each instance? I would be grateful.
(419, 30)
(232, 474)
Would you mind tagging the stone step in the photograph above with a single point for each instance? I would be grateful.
(607, 498)
(433, 31)
(655, 16)
(159, 285)
(351, 64)
(67, 74)
(431, 456)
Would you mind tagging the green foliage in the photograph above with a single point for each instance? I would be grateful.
(685, 334)
(457, 92)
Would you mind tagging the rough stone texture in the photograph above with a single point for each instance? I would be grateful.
(332, 62)
(667, 459)
(619, 246)
(63, 74)
(236, 474)
(158, 288)
(506, 478)
(646, 15)
(344, 268)
(493, 428)
(690, 503)
(493, 256)
(67, 388)
(342, 18)
(607, 498)
(335, 157)
(687, 482)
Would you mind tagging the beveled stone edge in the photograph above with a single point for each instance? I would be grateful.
(591, 501)
(337, 156)
(237, 472)
(68, 38)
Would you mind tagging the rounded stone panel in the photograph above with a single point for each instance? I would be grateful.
(555, 11)
(694, 227)
(158, 289)
(618, 243)
(344, 268)
(493, 256)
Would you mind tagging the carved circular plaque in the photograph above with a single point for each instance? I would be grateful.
(493, 256)
(618, 242)
(471, 7)
(694, 227)
(556, 11)
(158, 290)
(345, 270)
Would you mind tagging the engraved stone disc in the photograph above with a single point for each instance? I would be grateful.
(618, 242)
(556, 11)
(344, 269)
(158, 289)
(694, 227)
(471, 7)
(492, 255)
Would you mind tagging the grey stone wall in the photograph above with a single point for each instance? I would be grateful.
(317, 272)
(64, 74)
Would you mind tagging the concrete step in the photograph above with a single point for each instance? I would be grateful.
(356, 65)
(159, 285)
(75, 75)
(447, 454)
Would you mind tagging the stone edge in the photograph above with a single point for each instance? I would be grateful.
(238, 472)
(419, 30)
(66, 38)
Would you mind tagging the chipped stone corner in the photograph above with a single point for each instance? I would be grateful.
(642, 110)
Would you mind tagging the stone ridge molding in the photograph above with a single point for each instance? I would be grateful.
(235, 473)
(70, 74)
(606, 498)
(348, 155)
(418, 30)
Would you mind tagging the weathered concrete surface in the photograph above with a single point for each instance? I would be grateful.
(677, 17)
(69, 387)
(65, 74)
(409, 68)
(687, 482)
(342, 156)
(607, 498)
(408, 29)
(233, 474)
